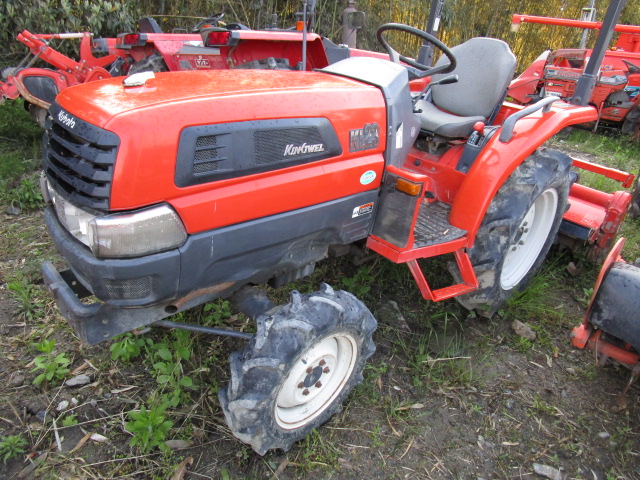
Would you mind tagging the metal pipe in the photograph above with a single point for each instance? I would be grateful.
(202, 329)
(587, 81)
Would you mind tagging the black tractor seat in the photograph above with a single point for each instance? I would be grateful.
(485, 68)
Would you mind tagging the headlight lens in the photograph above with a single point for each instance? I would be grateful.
(133, 234)
(119, 235)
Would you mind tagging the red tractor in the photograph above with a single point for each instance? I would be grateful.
(169, 190)
(617, 91)
(210, 48)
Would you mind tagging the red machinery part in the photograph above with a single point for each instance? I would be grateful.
(609, 325)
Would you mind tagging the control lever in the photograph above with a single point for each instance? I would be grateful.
(426, 90)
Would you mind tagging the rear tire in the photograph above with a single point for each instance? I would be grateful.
(518, 230)
(295, 373)
(152, 63)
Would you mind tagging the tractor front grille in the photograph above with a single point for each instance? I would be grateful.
(79, 159)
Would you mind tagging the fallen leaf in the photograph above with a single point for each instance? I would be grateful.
(81, 443)
(181, 469)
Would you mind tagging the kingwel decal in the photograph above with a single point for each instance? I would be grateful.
(66, 119)
(292, 149)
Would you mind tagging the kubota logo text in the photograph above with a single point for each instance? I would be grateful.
(292, 149)
(66, 119)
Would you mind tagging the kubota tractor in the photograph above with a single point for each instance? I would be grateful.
(169, 190)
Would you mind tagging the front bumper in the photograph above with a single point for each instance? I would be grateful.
(96, 321)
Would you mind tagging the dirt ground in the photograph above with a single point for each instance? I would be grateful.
(445, 396)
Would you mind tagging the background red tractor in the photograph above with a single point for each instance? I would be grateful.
(617, 91)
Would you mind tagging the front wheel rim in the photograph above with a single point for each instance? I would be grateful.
(315, 381)
(530, 239)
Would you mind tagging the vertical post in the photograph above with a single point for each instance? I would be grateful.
(425, 55)
(304, 36)
(587, 81)
(588, 15)
(349, 32)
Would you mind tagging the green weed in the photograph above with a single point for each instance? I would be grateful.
(128, 348)
(12, 446)
(54, 366)
(216, 313)
(29, 306)
(169, 370)
(360, 283)
(26, 195)
(149, 427)
(70, 420)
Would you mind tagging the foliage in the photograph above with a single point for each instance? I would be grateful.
(54, 366)
(360, 283)
(101, 17)
(149, 427)
(169, 371)
(25, 196)
(29, 306)
(128, 348)
(216, 313)
(11, 446)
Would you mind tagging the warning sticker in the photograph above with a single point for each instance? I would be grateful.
(362, 210)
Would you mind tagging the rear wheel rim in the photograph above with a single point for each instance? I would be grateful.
(315, 381)
(530, 239)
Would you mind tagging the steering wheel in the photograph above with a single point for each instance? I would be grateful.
(211, 21)
(416, 69)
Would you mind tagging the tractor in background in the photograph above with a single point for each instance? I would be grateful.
(616, 95)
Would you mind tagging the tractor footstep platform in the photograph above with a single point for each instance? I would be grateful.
(433, 227)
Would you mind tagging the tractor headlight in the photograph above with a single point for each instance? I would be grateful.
(120, 235)
(138, 233)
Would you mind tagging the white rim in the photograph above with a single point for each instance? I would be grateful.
(531, 237)
(315, 381)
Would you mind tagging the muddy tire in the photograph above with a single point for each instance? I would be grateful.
(295, 373)
(152, 63)
(518, 230)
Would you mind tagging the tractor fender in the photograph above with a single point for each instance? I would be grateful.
(500, 157)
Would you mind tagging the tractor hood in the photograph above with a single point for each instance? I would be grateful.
(178, 132)
(99, 102)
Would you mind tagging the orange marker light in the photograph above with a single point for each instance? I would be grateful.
(408, 187)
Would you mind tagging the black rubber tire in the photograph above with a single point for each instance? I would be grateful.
(631, 124)
(282, 348)
(153, 63)
(498, 233)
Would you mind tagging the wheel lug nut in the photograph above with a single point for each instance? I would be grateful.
(322, 363)
(301, 385)
(318, 385)
(521, 242)
(309, 370)
(513, 249)
(326, 370)
(305, 391)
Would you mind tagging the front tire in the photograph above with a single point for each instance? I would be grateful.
(518, 230)
(295, 373)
